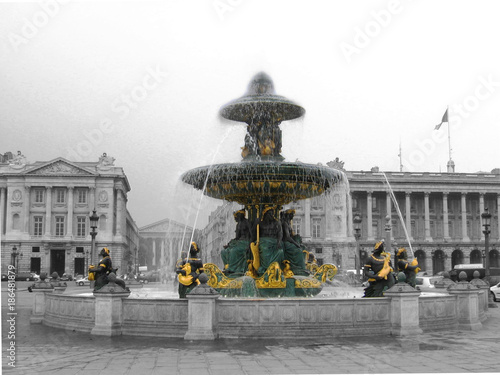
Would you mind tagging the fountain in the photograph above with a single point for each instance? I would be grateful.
(261, 266)
(263, 182)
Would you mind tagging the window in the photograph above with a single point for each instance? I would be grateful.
(374, 203)
(316, 227)
(296, 222)
(59, 226)
(38, 195)
(82, 196)
(60, 196)
(79, 249)
(35, 249)
(81, 223)
(354, 203)
(319, 250)
(319, 261)
(38, 226)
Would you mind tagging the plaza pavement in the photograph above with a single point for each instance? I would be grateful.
(43, 350)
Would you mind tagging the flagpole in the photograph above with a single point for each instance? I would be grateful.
(449, 137)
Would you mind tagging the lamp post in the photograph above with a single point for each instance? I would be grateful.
(93, 225)
(357, 235)
(486, 216)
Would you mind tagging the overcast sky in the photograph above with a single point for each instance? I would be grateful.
(143, 82)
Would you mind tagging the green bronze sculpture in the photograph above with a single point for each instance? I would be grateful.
(378, 269)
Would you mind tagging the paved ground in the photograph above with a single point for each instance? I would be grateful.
(42, 350)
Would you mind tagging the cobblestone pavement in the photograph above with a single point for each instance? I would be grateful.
(43, 350)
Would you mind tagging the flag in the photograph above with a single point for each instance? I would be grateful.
(444, 119)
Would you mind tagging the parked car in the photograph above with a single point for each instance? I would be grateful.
(25, 276)
(495, 291)
(427, 283)
(66, 277)
(148, 277)
(82, 281)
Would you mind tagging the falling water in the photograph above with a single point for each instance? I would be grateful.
(393, 197)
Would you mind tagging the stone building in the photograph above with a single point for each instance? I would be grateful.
(45, 208)
(425, 202)
(161, 244)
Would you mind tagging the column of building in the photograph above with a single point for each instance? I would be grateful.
(446, 226)
(26, 210)
(2, 210)
(307, 218)
(408, 213)
(153, 263)
(481, 210)
(465, 237)
(427, 221)
(69, 232)
(120, 211)
(388, 211)
(498, 215)
(369, 219)
(48, 211)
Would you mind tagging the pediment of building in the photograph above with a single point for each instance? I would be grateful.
(60, 167)
(164, 226)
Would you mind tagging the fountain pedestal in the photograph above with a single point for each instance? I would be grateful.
(202, 321)
(39, 302)
(109, 310)
(405, 319)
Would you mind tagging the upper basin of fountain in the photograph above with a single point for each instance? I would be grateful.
(261, 98)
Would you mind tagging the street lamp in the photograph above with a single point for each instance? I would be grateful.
(93, 225)
(357, 235)
(486, 216)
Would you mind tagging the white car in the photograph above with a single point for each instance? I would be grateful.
(82, 281)
(427, 283)
(495, 291)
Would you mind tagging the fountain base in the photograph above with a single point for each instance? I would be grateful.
(273, 283)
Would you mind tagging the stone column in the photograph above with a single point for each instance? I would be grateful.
(498, 215)
(26, 202)
(307, 218)
(48, 211)
(202, 318)
(427, 223)
(468, 305)
(388, 208)
(2, 210)
(369, 216)
(120, 212)
(404, 310)
(162, 260)
(465, 237)
(481, 210)
(69, 231)
(446, 227)
(108, 313)
(408, 213)
(350, 230)
(92, 198)
(154, 252)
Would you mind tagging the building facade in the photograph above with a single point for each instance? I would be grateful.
(440, 213)
(162, 242)
(44, 214)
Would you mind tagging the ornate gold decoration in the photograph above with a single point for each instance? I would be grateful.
(307, 283)
(272, 278)
(216, 279)
(287, 271)
(326, 272)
